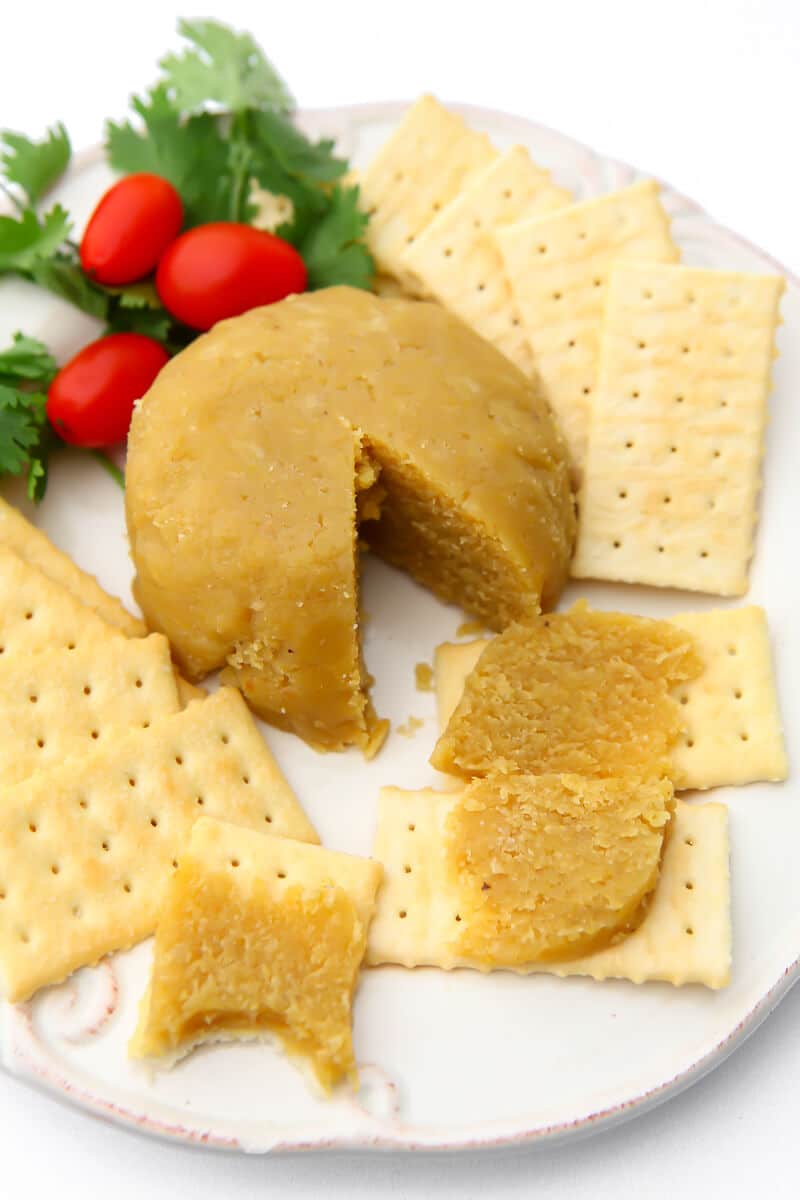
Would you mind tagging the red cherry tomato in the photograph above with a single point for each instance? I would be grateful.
(90, 401)
(223, 269)
(130, 229)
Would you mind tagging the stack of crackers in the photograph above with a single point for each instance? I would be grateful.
(658, 374)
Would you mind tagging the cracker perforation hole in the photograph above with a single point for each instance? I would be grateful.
(33, 699)
(137, 683)
(737, 693)
(448, 251)
(689, 885)
(744, 737)
(481, 287)
(407, 868)
(76, 910)
(245, 779)
(87, 689)
(154, 822)
(411, 828)
(458, 916)
(281, 874)
(127, 887)
(55, 869)
(105, 846)
(689, 841)
(33, 827)
(402, 914)
(179, 760)
(689, 930)
(40, 743)
(95, 734)
(234, 862)
(29, 615)
(690, 742)
(199, 800)
(268, 818)
(224, 739)
(542, 249)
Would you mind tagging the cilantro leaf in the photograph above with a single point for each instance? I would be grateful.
(26, 240)
(63, 276)
(139, 318)
(333, 250)
(275, 137)
(26, 359)
(22, 423)
(35, 166)
(191, 154)
(224, 67)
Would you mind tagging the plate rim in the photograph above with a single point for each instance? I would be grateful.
(538, 1135)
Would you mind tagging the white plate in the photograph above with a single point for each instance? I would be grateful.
(447, 1060)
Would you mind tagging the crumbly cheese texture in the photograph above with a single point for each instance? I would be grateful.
(33, 545)
(286, 434)
(684, 936)
(558, 267)
(429, 158)
(552, 866)
(578, 692)
(259, 936)
(732, 724)
(456, 260)
(60, 703)
(673, 467)
(87, 847)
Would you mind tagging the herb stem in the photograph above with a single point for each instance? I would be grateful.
(110, 467)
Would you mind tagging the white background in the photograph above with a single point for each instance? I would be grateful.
(703, 93)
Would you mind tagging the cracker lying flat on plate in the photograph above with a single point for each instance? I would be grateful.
(35, 548)
(425, 163)
(37, 613)
(86, 849)
(456, 258)
(733, 724)
(68, 702)
(259, 937)
(673, 466)
(684, 938)
(558, 268)
(732, 732)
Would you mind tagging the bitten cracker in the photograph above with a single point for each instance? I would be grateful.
(558, 269)
(457, 261)
(86, 848)
(684, 938)
(733, 733)
(259, 937)
(35, 548)
(425, 163)
(59, 703)
(673, 467)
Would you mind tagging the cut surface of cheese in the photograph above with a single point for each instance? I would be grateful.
(259, 939)
(580, 692)
(284, 434)
(552, 866)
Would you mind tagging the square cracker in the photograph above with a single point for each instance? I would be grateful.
(684, 938)
(260, 877)
(35, 548)
(69, 702)
(86, 848)
(38, 614)
(425, 163)
(558, 268)
(457, 261)
(733, 726)
(673, 466)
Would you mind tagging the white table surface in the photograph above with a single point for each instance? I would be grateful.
(703, 93)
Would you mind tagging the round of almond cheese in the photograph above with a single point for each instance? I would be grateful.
(272, 445)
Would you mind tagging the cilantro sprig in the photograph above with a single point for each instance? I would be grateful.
(216, 124)
(26, 370)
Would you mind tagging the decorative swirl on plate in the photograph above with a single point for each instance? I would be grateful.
(79, 1009)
